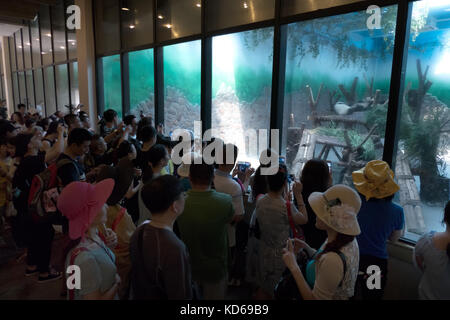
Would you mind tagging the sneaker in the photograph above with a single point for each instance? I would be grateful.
(50, 277)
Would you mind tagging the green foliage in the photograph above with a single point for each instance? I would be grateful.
(368, 152)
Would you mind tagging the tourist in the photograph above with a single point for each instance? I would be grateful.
(337, 261)
(148, 137)
(432, 257)
(380, 220)
(160, 262)
(118, 219)
(272, 213)
(315, 177)
(203, 228)
(86, 213)
(72, 121)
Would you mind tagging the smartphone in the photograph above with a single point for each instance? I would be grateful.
(243, 166)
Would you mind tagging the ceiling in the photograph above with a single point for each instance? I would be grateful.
(15, 13)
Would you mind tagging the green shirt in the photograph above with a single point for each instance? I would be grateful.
(203, 228)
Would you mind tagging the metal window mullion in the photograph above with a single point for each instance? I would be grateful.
(125, 75)
(69, 83)
(205, 74)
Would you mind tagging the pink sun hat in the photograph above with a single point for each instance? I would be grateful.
(80, 202)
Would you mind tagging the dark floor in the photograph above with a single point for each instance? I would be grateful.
(15, 286)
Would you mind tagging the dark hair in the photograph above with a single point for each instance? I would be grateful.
(44, 123)
(129, 119)
(147, 133)
(315, 177)
(144, 122)
(447, 221)
(154, 156)
(52, 128)
(337, 244)
(276, 181)
(202, 174)
(29, 123)
(259, 185)
(109, 115)
(79, 136)
(21, 120)
(21, 105)
(69, 119)
(21, 143)
(159, 194)
(83, 116)
(124, 149)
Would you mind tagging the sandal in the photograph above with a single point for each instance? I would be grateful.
(50, 277)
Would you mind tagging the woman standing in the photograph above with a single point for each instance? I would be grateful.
(272, 216)
(380, 220)
(432, 257)
(86, 213)
(336, 263)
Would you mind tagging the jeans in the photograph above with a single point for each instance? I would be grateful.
(40, 246)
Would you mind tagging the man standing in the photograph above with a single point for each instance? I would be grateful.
(203, 228)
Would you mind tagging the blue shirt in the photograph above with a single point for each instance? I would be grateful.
(377, 220)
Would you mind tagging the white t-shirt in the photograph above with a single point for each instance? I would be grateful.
(223, 182)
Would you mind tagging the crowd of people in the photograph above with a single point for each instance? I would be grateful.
(140, 226)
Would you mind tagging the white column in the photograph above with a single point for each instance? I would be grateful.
(86, 61)
(4, 59)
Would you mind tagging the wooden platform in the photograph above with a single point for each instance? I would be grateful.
(409, 196)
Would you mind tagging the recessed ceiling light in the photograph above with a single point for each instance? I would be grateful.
(125, 9)
(132, 27)
(168, 26)
(28, 44)
(62, 47)
(49, 35)
(198, 5)
(245, 5)
(160, 17)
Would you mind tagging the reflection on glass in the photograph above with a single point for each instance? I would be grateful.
(336, 91)
(221, 14)
(39, 90)
(107, 26)
(137, 23)
(74, 92)
(30, 88)
(242, 85)
(423, 158)
(112, 90)
(46, 35)
(178, 18)
(35, 41)
(49, 82)
(62, 87)
(12, 53)
(59, 33)
(182, 85)
(26, 47)
(142, 82)
(15, 90)
(71, 37)
(22, 89)
(19, 50)
(291, 7)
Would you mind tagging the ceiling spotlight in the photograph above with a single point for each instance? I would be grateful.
(160, 17)
(132, 26)
(198, 5)
(49, 35)
(245, 5)
(62, 47)
(28, 44)
(125, 9)
(168, 26)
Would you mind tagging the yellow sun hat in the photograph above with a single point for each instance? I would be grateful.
(375, 180)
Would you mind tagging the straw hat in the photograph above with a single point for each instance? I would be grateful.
(375, 180)
(337, 208)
